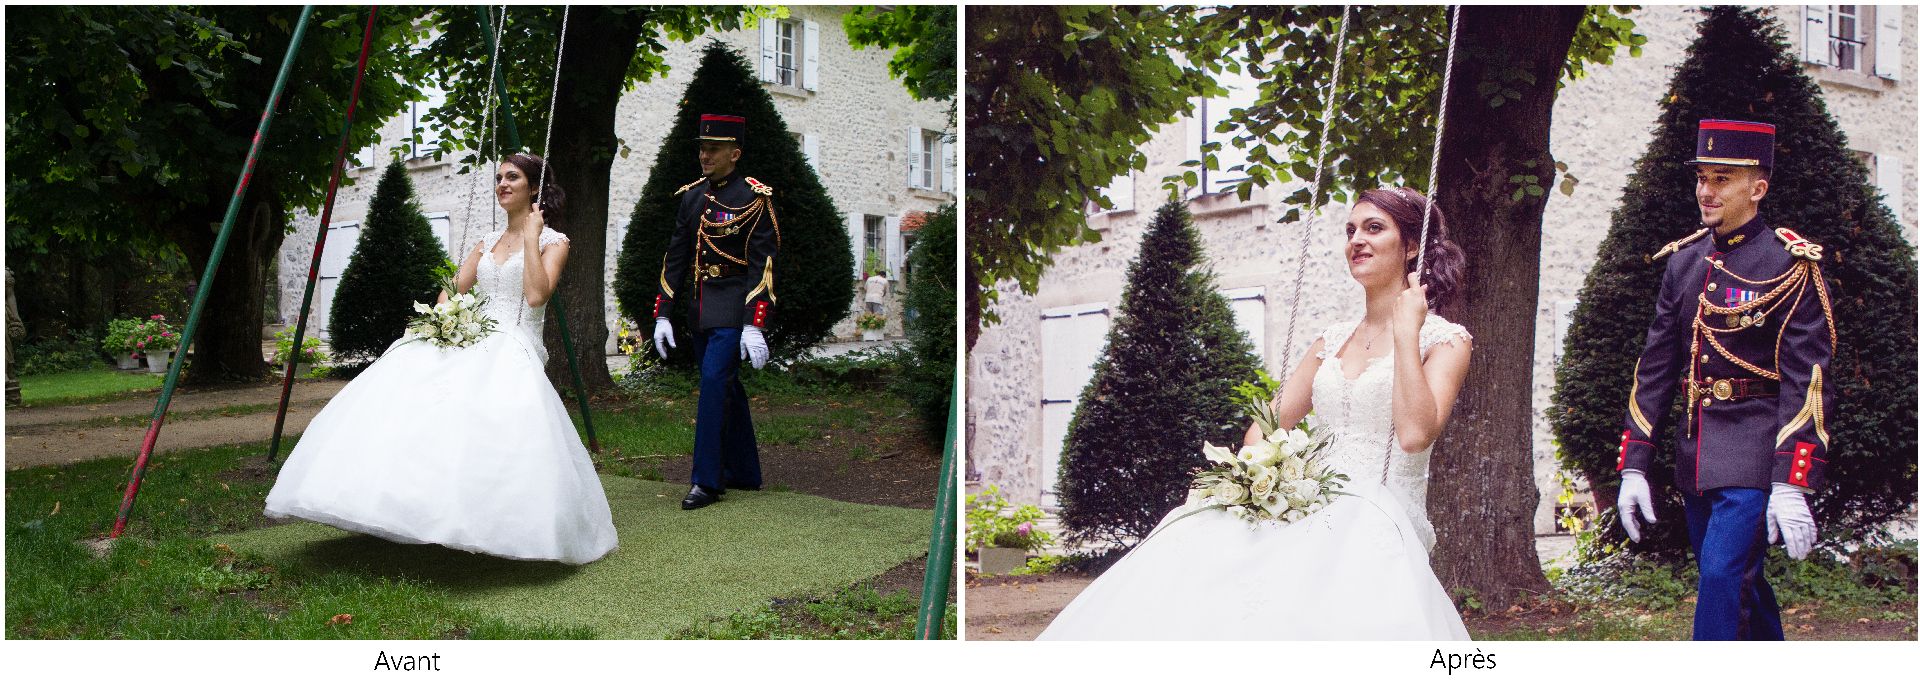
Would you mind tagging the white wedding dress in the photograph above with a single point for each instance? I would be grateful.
(1356, 570)
(469, 448)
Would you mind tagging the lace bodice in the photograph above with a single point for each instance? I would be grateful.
(504, 286)
(1359, 414)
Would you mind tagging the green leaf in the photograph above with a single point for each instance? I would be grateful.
(1519, 193)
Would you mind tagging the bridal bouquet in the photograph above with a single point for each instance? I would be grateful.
(456, 323)
(1279, 477)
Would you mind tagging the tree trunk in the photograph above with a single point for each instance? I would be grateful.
(600, 45)
(226, 346)
(1482, 493)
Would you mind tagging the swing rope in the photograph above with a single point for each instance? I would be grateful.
(1313, 197)
(487, 103)
(320, 242)
(554, 99)
(1439, 131)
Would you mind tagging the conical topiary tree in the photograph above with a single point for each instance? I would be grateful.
(1742, 68)
(1163, 386)
(390, 269)
(928, 383)
(814, 275)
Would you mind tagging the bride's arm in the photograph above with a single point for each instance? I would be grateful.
(543, 273)
(1423, 391)
(468, 273)
(1296, 396)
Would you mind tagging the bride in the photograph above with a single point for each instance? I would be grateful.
(1383, 387)
(469, 448)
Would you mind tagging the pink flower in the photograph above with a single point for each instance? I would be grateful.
(1025, 528)
(158, 317)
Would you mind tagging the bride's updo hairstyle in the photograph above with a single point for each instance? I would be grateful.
(1446, 266)
(552, 198)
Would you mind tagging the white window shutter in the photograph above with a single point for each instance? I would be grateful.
(1815, 35)
(895, 247)
(769, 43)
(810, 145)
(810, 65)
(1123, 192)
(1891, 173)
(1886, 41)
(947, 170)
(914, 151)
(857, 235)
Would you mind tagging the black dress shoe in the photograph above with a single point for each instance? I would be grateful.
(698, 497)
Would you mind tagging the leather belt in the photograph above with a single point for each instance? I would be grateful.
(1736, 389)
(711, 271)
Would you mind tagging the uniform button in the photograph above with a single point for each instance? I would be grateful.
(1703, 357)
(1799, 475)
(1802, 464)
(1706, 402)
(1711, 286)
(1803, 452)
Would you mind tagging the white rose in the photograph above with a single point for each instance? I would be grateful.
(1263, 484)
(1293, 468)
(1229, 492)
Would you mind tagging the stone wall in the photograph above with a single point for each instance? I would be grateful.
(858, 117)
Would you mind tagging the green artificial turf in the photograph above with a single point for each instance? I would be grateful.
(674, 568)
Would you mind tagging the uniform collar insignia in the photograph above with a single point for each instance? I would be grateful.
(1741, 236)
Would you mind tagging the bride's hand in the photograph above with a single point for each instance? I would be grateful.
(1410, 311)
(536, 222)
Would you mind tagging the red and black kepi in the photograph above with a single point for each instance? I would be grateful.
(719, 127)
(1735, 143)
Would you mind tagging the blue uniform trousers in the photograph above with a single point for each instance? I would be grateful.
(724, 452)
(1728, 528)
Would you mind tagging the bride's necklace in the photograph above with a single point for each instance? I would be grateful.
(1368, 344)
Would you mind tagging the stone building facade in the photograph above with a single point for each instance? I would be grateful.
(882, 155)
(1603, 123)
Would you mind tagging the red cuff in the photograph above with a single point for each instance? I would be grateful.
(657, 301)
(1802, 465)
(760, 314)
(1625, 437)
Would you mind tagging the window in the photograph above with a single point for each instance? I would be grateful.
(428, 143)
(1203, 128)
(1853, 38)
(1249, 308)
(875, 240)
(1119, 193)
(929, 145)
(928, 158)
(1071, 339)
(789, 53)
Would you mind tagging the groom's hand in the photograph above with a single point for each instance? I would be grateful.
(1789, 521)
(753, 346)
(1636, 500)
(663, 336)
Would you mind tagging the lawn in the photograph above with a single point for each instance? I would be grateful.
(197, 561)
(79, 386)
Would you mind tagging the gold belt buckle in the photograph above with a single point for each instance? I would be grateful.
(713, 271)
(1722, 389)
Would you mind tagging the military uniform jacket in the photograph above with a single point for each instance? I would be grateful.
(725, 237)
(1743, 333)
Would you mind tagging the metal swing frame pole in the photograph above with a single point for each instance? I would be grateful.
(320, 243)
(559, 309)
(207, 278)
(941, 545)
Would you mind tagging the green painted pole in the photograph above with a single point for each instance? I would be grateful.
(941, 545)
(559, 311)
(320, 240)
(206, 279)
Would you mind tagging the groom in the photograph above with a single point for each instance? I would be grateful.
(726, 233)
(1744, 331)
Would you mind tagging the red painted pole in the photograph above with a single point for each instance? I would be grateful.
(206, 278)
(320, 242)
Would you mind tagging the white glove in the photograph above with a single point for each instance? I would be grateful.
(1789, 521)
(663, 336)
(1635, 501)
(753, 346)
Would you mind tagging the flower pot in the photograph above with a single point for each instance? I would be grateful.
(126, 361)
(995, 560)
(872, 334)
(157, 361)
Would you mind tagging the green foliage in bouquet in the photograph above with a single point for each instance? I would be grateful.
(392, 267)
(1161, 388)
(1742, 67)
(814, 273)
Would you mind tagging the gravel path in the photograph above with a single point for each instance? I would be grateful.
(67, 434)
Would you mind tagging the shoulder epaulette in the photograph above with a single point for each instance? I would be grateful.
(1799, 246)
(1676, 245)
(758, 187)
(690, 184)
